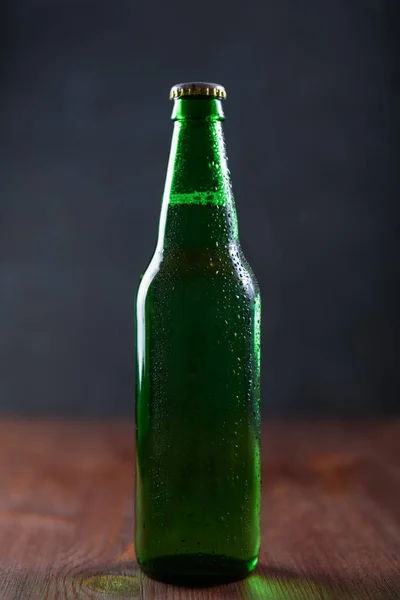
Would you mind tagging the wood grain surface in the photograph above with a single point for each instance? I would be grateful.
(330, 514)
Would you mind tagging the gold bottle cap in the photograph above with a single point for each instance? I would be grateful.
(197, 88)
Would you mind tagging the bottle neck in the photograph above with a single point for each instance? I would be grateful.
(198, 210)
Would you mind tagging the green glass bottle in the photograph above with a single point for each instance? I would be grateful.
(197, 514)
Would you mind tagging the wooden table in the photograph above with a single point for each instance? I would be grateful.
(330, 514)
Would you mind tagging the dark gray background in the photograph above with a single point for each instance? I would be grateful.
(312, 138)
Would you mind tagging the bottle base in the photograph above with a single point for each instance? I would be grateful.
(195, 570)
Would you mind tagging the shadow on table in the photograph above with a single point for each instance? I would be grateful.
(126, 581)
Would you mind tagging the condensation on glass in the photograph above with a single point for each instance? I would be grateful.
(197, 511)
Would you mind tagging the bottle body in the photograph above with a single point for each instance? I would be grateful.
(197, 411)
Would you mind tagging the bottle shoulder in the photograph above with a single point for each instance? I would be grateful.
(214, 267)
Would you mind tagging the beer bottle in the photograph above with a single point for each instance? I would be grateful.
(198, 482)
